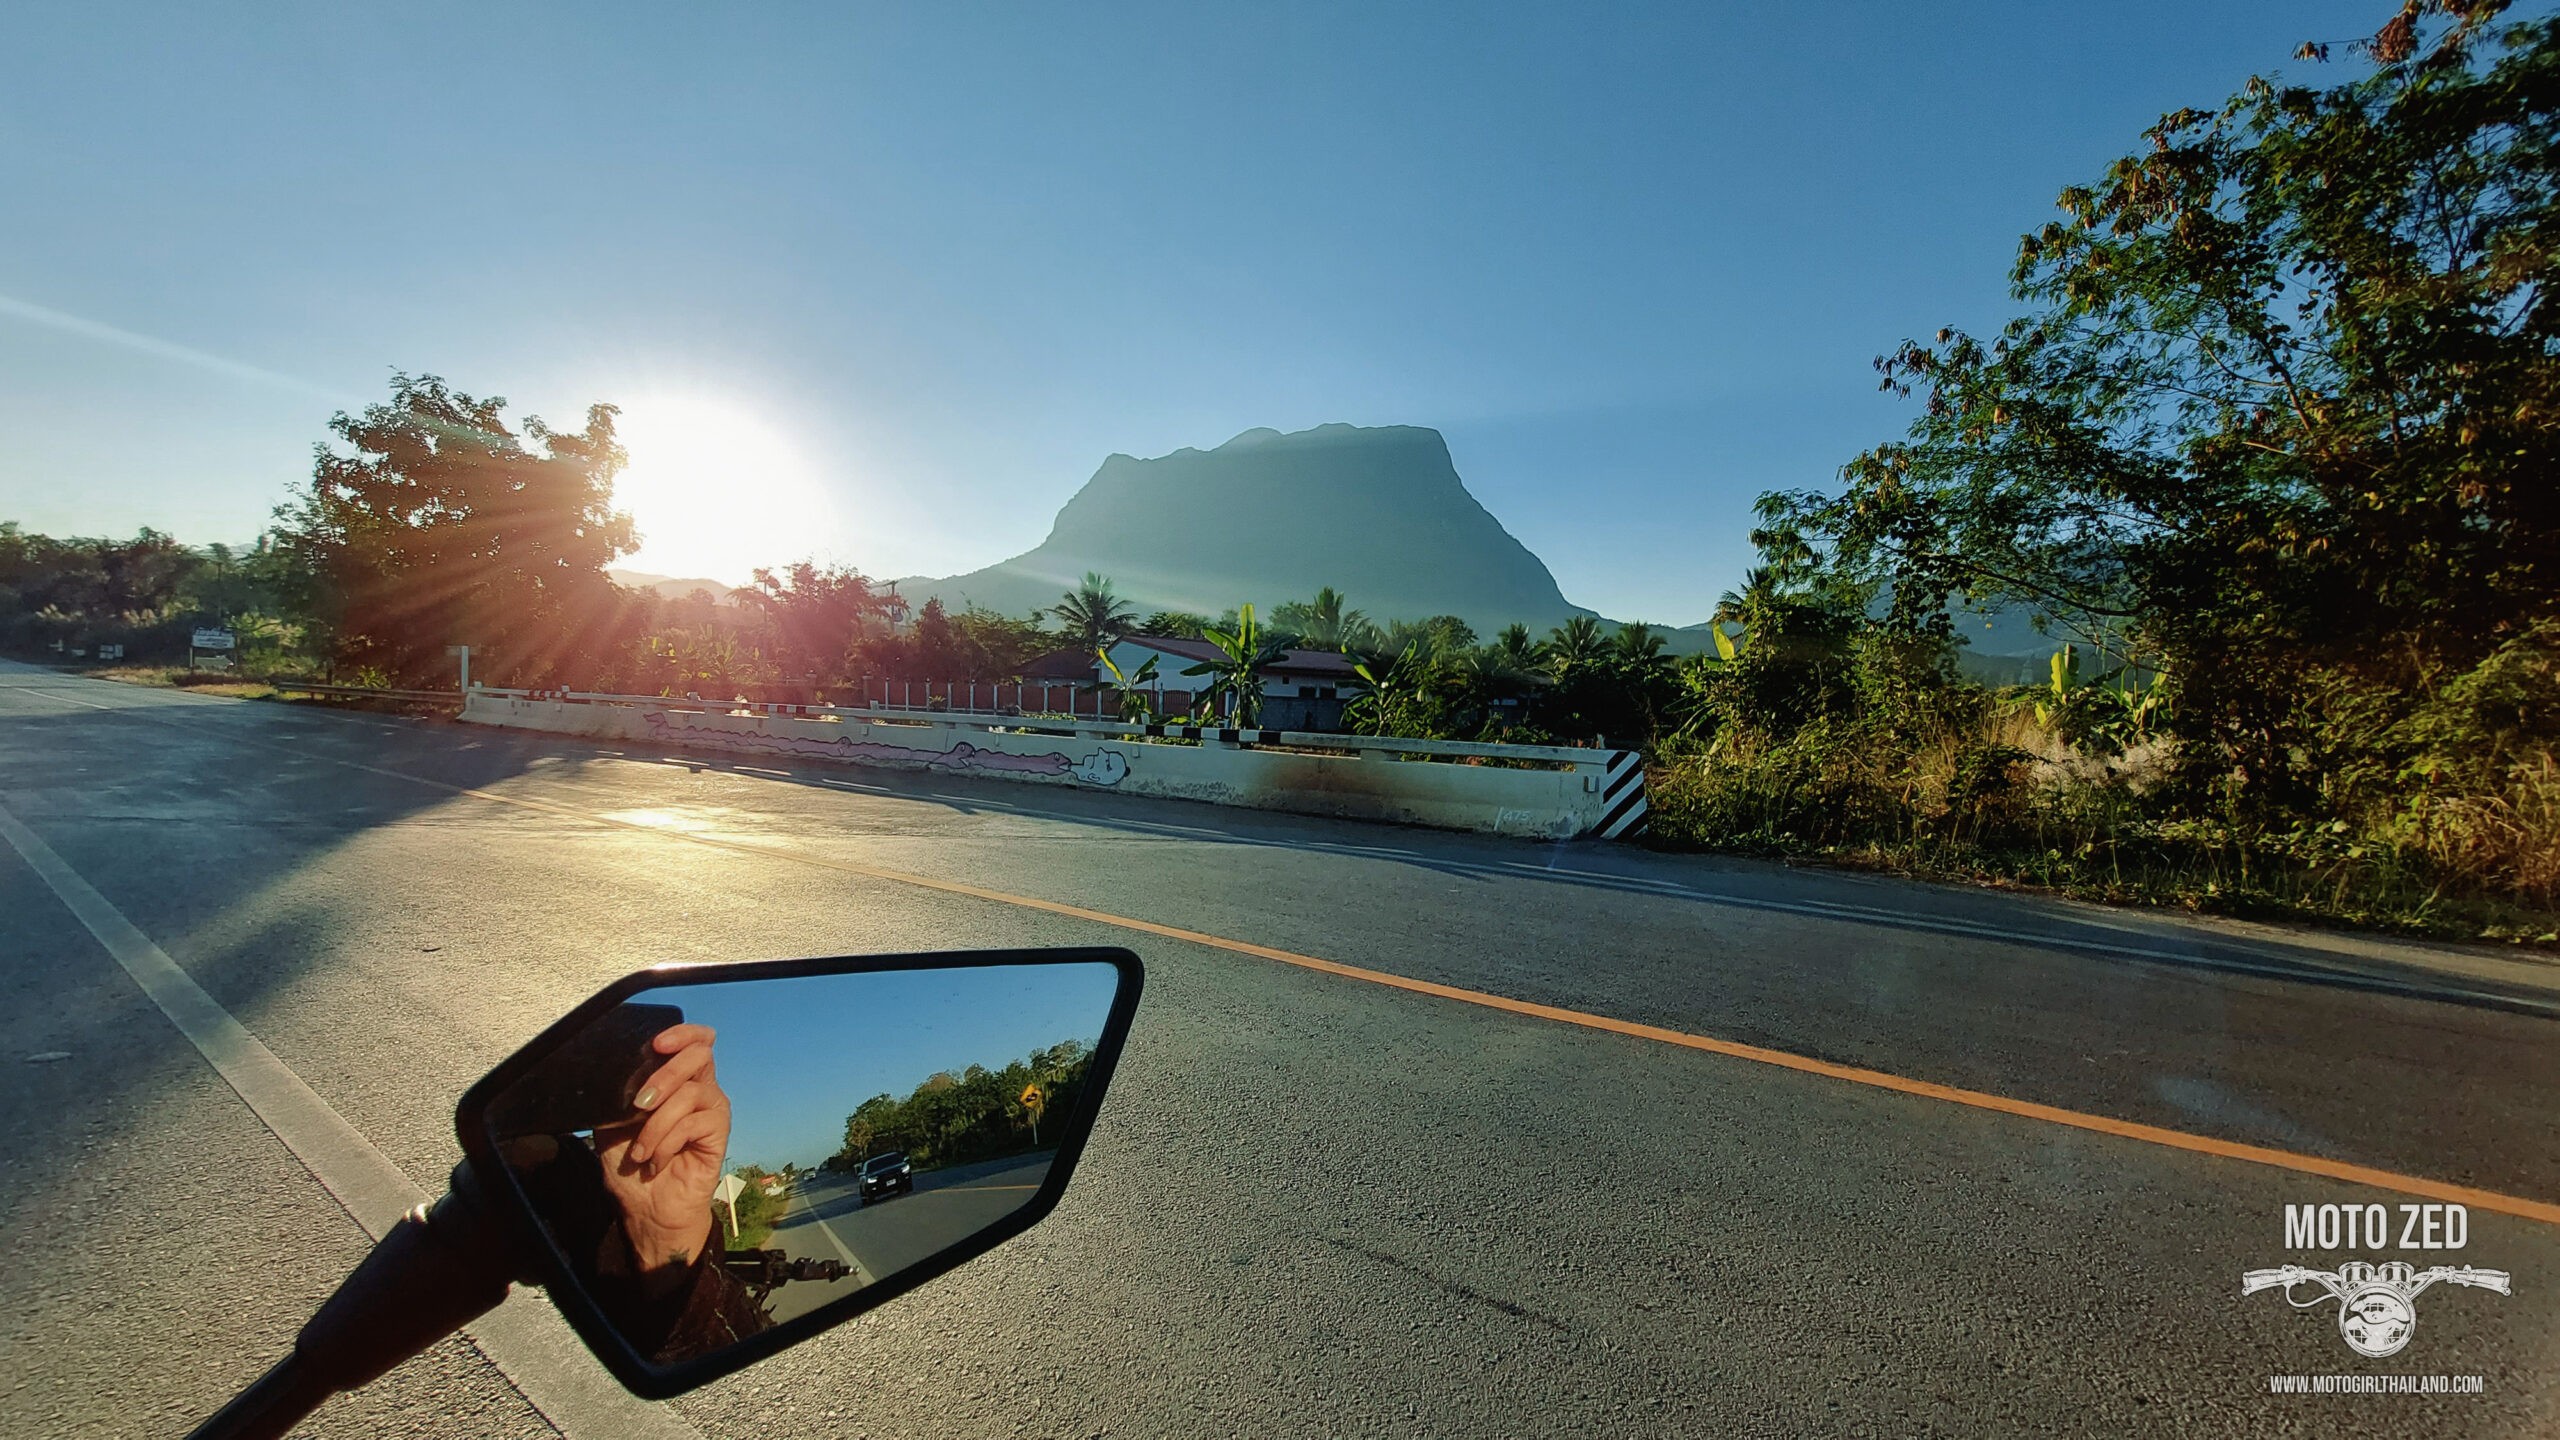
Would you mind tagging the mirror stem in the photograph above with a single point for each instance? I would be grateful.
(441, 1267)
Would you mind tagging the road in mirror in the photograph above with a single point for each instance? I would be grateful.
(715, 1160)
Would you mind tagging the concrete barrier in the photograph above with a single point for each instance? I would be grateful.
(1547, 791)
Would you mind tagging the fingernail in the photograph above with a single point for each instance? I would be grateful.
(647, 1098)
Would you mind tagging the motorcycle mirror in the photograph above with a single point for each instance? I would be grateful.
(716, 1162)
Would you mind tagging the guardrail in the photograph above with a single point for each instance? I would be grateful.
(1561, 756)
(366, 692)
(1556, 791)
(1578, 757)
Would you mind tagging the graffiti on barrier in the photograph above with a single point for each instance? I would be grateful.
(1103, 767)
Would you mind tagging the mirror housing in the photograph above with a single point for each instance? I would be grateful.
(565, 1085)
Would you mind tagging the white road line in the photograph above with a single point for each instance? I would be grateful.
(525, 1338)
(861, 1271)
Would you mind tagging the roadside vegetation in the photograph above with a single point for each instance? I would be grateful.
(757, 1212)
(2274, 438)
(2267, 451)
(960, 1117)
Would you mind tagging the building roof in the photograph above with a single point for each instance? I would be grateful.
(1327, 663)
(1071, 663)
(1172, 645)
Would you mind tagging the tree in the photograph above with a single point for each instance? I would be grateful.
(1518, 650)
(1760, 586)
(993, 646)
(98, 580)
(1639, 648)
(234, 587)
(934, 647)
(437, 525)
(2284, 409)
(1402, 692)
(1175, 625)
(1092, 613)
(1575, 643)
(973, 1114)
(814, 617)
(143, 593)
(1442, 636)
(1325, 622)
(1792, 665)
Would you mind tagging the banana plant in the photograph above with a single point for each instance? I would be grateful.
(2118, 716)
(1237, 671)
(2065, 678)
(1136, 705)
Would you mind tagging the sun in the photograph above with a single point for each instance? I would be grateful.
(714, 489)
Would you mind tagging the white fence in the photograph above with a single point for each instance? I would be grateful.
(1551, 791)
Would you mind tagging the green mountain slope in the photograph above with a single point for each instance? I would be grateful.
(1377, 513)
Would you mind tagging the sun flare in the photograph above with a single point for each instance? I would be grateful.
(714, 489)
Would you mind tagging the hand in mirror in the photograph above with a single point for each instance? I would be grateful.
(632, 1208)
(662, 1166)
(724, 1158)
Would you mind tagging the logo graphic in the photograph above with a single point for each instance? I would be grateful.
(2377, 1304)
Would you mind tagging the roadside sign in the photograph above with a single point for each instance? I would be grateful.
(1032, 1098)
(212, 640)
(727, 1193)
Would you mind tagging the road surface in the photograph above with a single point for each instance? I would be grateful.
(827, 1220)
(1660, 1146)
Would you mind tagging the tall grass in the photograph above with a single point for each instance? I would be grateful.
(1988, 794)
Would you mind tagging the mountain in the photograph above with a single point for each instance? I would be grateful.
(668, 586)
(1377, 513)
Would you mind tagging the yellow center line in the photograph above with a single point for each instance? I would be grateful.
(2414, 1185)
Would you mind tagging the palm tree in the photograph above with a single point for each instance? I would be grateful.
(1517, 649)
(1760, 598)
(1575, 643)
(1324, 622)
(1639, 644)
(1760, 589)
(1093, 614)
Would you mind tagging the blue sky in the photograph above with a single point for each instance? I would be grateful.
(796, 1056)
(883, 285)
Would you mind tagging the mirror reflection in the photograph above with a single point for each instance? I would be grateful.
(717, 1159)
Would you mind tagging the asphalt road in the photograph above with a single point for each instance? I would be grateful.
(1316, 1203)
(828, 1219)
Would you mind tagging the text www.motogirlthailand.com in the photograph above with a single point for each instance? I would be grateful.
(2375, 1384)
